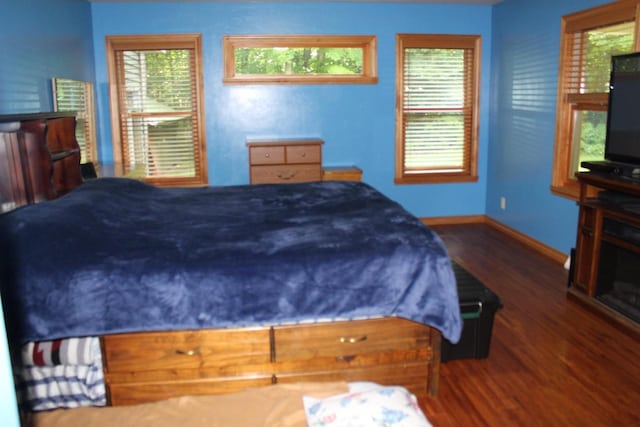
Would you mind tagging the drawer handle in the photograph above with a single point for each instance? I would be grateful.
(345, 358)
(352, 340)
(304, 155)
(285, 177)
(267, 155)
(194, 352)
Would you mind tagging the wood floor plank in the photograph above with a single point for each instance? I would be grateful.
(552, 361)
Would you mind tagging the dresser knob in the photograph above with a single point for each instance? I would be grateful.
(267, 155)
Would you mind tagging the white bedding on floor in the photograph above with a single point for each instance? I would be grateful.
(366, 404)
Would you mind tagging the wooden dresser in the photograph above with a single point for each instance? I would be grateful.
(285, 161)
(40, 157)
(142, 367)
(25, 170)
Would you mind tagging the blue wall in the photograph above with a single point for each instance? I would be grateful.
(357, 122)
(524, 80)
(40, 40)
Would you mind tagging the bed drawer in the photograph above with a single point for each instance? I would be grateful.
(149, 351)
(281, 174)
(413, 376)
(345, 342)
(134, 393)
(386, 351)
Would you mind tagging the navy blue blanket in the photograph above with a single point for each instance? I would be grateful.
(117, 255)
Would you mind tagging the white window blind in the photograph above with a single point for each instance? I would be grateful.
(77, 96)
(437, 135)
(589, 60)
(436, 110)
(158, 108)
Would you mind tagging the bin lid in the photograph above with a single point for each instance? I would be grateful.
(470, 289)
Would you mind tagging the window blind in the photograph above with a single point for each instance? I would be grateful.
(158, 105)
(589, 58)
(438, 107)
(77, 96)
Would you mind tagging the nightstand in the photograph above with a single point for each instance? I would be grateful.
(341, 173)
(285, 161)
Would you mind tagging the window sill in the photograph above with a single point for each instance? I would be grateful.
(435, 179)
(568, 191)
(302, 79)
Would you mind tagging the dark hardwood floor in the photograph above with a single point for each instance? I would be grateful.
(552, 361)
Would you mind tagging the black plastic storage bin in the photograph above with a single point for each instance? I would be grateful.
(478, 305)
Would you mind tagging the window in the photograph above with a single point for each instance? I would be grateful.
(300, 59)
(156, 107)
(587, 42)
(436, 108)
(77, 96)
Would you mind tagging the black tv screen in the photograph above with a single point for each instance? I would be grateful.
(623, 120)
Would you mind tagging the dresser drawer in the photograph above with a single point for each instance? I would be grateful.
(344, 341)
(282, 174)
(308, 153)
(149, 351)
(266, 155)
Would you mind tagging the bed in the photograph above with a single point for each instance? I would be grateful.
(193, 291)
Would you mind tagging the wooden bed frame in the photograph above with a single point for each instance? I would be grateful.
(148, 366)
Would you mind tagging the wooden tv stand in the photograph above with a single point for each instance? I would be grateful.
(608, 223)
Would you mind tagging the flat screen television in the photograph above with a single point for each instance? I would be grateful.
(622, 143)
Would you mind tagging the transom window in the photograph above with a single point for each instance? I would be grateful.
(437, 108)
(301, 59)
(588, 40)
(156, 107)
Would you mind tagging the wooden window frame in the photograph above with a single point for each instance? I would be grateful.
(567, 103)
(157, 42)
(367, 43)
(470, 171)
